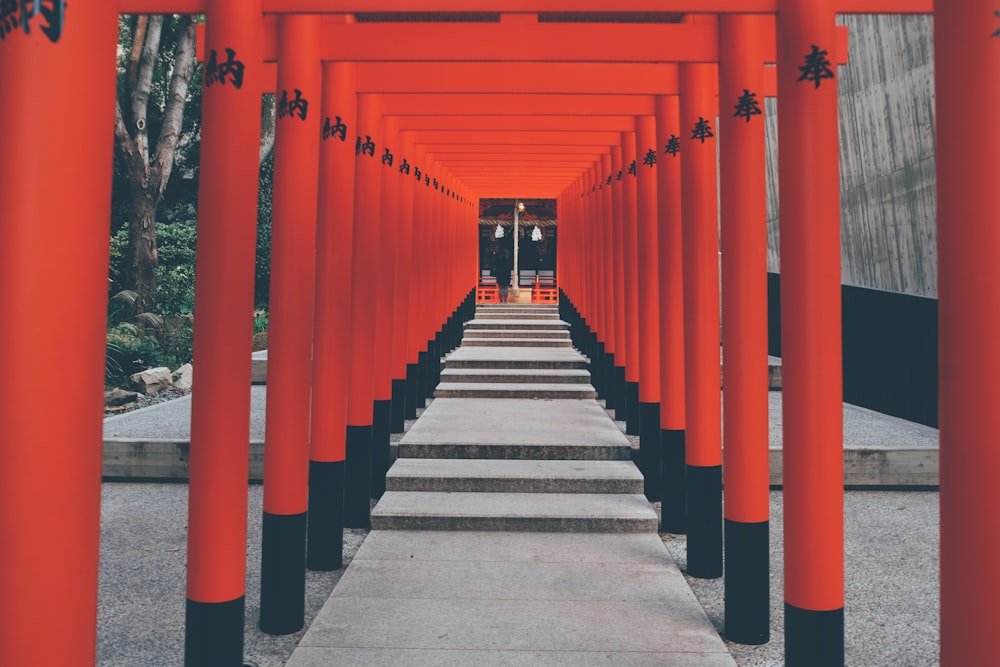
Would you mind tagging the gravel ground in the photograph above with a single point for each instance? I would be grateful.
(891, 563)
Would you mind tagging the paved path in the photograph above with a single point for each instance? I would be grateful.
(513, 530)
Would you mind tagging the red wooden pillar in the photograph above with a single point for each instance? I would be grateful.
(405, 289)
(967, 66)
(673, 468)
(385, 289)
(331, 351)
(811, 333)
(55, 195)
(744, 334)
(630, 267)
(605, 363)
(701, 320)
(618, 264)
(367, 191)
(293, 271)
(220, 405)
(648, 322)
(415, 306)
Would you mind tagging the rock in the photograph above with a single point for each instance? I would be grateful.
(118, 396)
(153, 380)
(183, 377)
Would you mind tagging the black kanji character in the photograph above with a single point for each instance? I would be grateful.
(673, 146)
(650, 159)
(9, 17)
(435, 184)
(368, 146)
(609, 181)
(747, 105)
(817, 67)
(330, 130)
(357, 146)
(298, 106)
(416, 172)
(387, 158)
(214, 72)
(702, 130)
(619, 174)
(997, 33)
(631, 169)
(54, 15)
(404, 167)
(427, 181)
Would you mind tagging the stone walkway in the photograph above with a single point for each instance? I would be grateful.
(513, 530)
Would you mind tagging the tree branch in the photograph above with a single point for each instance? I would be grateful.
(125, 147)
(138, 39)
(267, 127)
(144, 83)
(173, 117)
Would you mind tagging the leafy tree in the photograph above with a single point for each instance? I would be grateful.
(149, 126)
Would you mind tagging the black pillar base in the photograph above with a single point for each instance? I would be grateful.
(649, 450)
(597, 371)
(747, 584)
(632, 421)
(610, 399)
(283, 573)
(357, 492)
(213, 633)
(423, 381)
(380, 445)
(673, 477)
(397, 415)
(704, 505)
(621, 396)
(814, 638)
(410, 397)
(325, 528)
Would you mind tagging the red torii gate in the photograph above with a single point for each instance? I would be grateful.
(963, 198)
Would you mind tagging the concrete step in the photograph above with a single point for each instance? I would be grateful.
(516, 315)
(548, 376)
(516, 342)
(514, 390)
(498, 476)
(546, 512)
(535, 324)
(516, 357)
(517, 333)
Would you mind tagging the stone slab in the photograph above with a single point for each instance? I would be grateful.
(515, 390)
(517, 333)
(580, 427)
(499, 598)
(258, 374)
(513, 357)
(555, 375)
(516, 324)
(515, 342)
(490, 475)
(543, 512)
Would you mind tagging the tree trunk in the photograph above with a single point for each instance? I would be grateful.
(141, 273)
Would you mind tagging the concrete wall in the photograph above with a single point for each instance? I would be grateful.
(887, 180)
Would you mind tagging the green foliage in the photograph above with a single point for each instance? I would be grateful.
(260, 321)
(136, 341)
(262, 274)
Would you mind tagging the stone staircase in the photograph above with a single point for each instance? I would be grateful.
(513, 530)
(514, 378)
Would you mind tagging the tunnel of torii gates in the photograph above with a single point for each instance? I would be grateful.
(374, 267)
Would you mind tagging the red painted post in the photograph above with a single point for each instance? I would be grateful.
(290, 335)
(416, 307)
(812, 409)
(405, 291)
(220, 404)
(55, 189)
(701, 319)
(673, 468)
(630, 241)
(332, 339)
(385, 286)
(368, 172)
(966, 74)
(744, 333)
(605, 363)
(648, 322)
(618, 264)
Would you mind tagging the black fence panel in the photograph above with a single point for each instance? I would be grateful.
(890, 345)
